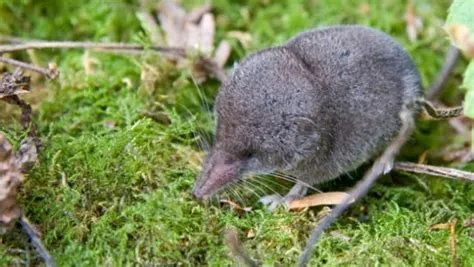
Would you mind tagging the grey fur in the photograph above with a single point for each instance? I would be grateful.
(316, 107)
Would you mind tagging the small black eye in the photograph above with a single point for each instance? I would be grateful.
(248, 154)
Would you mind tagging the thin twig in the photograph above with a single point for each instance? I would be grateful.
(36, 241)
(450, 61)
(46, 72)
(173, 52)
(88, 45)
(434, 171)
(13, 40)
(363, 186)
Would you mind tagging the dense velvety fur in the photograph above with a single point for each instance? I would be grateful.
(316, 107)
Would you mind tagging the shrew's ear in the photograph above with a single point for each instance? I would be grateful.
(308, 136)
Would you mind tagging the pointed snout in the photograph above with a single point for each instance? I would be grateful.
(220, 169)
(198, 192)
(198, 195)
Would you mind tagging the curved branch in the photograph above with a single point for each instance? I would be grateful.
(363, 186)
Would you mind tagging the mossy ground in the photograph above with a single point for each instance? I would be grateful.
(113, 185)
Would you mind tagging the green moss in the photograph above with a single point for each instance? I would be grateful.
(113, 185)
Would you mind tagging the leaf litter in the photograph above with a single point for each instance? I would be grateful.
(14, 164)
(192, 31)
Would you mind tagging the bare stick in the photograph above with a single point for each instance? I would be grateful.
(363, 186)
(36, 241)
(450, 62)
(88, 45)
(49, 73)
(173, 52)
(13, 40)
(434, 171)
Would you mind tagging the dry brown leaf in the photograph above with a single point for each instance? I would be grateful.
(194, 31)
(207, 29)
(172, 18)
(250, 234)
(222, 53)
(235, 205)
(193, 36)
(413, 23)
(184, 32)
(10, 179)
(14, 83)
(319, 199)
(11, 166)
(462, 37)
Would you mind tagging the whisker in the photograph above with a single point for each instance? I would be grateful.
(256, 186)
(259, 182)
(202, 143)
(207, 109)
(252, 192)
(243, 189)
(228, 189)
(201, 95)
(293, 179)
(235, 187)
(271, 180)
(227, 193)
